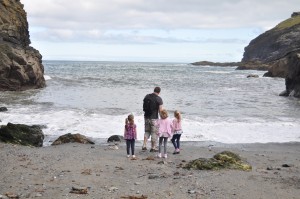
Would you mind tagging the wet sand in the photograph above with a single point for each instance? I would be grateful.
(106, 172)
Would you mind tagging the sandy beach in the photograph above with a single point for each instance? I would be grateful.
(106, 172)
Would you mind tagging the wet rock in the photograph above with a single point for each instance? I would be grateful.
(292, 79)
(3, 109)
(22, 134)
(223, 160)
(71, 138)
(115, 138)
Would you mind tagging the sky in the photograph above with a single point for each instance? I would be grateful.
(182, 31)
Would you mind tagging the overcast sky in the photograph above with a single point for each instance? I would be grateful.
(150, 30)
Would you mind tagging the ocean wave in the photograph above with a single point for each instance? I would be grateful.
(47, 77)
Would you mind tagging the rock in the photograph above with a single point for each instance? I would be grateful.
(3, 109)
(271, 47)
(292, 80)
(70, 138)
(208, 63)
(154, 176)
(251, 75)
(79, 190)
(22, 134)
(287, 165)
(115, 138)
(191, 191)
(20, 65)
(113, 189)
(12, 195)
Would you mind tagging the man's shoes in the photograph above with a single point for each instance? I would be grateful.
(153, 150)
(144, 148)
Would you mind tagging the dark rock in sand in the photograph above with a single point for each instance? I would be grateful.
(22, 134)
(115, 138)
(70, 138)
(3, 109)
(20, 64)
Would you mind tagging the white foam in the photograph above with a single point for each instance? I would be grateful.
(197, 129)
(47, 77)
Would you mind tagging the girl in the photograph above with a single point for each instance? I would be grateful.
(130, 135)
(165, 128)
(177, 132)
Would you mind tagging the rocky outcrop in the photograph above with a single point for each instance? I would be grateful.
(20, 65)
(271, 48)
(292, 80)
(70, 138)
(22, 134)
(209, 63)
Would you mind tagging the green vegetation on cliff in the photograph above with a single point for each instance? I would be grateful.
(288, 23)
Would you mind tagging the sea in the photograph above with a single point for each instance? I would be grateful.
(218, 104)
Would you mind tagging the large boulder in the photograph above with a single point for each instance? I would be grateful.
(70, 138)
(270, 48)
(292, 80)
(22, 134)
(20, 65)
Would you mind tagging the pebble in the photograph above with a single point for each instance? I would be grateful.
(154, 176)
(137, 183)
(112, 189)
(287, 165)
(191, 191)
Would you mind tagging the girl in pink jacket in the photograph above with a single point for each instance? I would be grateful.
(165, 129)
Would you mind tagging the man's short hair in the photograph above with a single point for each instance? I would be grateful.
(157, 89)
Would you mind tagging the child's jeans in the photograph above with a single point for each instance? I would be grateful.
(130, 144)
(161, 139)
(176, 140)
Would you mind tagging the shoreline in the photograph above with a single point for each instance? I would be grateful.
(51, 172)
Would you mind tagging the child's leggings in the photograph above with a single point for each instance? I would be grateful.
(176, 140)
(130, 144)
(161, 139)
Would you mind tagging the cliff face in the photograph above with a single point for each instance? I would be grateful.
(272, 47)
(20, 65)
(292, 80)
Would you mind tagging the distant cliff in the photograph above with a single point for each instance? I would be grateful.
(20, 65)
(272, 47)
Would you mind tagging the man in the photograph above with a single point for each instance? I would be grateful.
(152, 107)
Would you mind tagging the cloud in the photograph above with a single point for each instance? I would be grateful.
(154, 14)
(178, 26)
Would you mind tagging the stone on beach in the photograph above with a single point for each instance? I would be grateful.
(70, 138)
(115, 138)
(22, 134)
